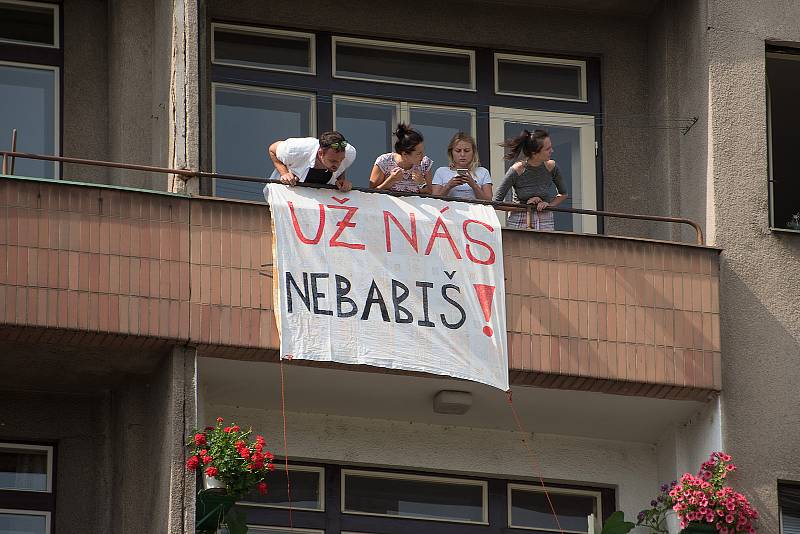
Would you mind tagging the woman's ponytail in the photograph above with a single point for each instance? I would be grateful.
(526, 142)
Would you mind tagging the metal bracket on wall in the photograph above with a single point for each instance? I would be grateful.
(685, 129)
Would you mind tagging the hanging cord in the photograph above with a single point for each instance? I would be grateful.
(285, 448)
(537, 467)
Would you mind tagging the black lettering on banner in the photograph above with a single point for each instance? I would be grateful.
(425, 319)
(445, 296)
(372, 299)
(406, 316)
(343, 288)
(316, 296)
(304, 296)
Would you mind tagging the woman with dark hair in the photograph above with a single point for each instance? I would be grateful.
(464, 178)
(536, 179)
(407, 169)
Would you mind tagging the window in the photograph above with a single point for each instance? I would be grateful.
(578, 511)
(26, 488)
(246, 121)
(789, 504)
(383, 61)
(30, 59)
(408, 496)
(370, 125)
(539, 77)
(261, 48)
(783, 84)
(29, 23)
(307, 490)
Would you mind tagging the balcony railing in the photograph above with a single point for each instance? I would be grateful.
(89, 263)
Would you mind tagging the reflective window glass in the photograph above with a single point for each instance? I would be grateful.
(18, 522)
(28, 23)
(409, 64)
(438, 125)
(28, 102)
(305, 487)
(264, 49)
(541, 77)
(422, 498)
(24, 469)
(246, 122)
(369, 126)
(530, 509)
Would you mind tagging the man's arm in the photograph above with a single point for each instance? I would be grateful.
(286, 175)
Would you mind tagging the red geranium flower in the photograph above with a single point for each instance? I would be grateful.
(192, 463)
(262, 488)
(199, 439)
(212, 471)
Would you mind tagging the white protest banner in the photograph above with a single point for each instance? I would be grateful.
(404, 283)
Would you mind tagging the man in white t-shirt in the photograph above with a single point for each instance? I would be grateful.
(307, 159)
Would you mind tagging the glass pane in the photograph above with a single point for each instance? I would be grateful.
(274, 530)
(413, 498)
(531, 509)
(368, 126)
(262, 50)
(246, 122)
(539, 79)
(305, 490)
(28, 103)
(27, 24)
(23, 469)
(567, 155)
(22, 524)
(404, 65)
(438, 126)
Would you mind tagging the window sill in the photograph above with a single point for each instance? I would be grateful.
(784, 230)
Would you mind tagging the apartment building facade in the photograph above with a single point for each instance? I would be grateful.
(135, 305)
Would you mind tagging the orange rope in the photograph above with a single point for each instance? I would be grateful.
(537, 467)
(285, 448)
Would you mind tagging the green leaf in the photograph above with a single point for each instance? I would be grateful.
(616, 524)
(236, 522)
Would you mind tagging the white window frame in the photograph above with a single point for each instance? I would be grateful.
(483, 484)
(56, 106)
(46, 515)
(29, 447)
(216, 85)
(540, 60)
(56, 23)
(321, 491)
(411, 48)
(593, 527)
(361, 100)
(236, 28)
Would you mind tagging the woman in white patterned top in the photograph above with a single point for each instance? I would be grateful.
(464, 178)
(407, 169)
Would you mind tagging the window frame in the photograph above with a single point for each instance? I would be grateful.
(498, 56)
(56, 24)
(598, 496)
(46, 513)
(483, 484)
(321, 492)
(256, 88)
(412, 48)
(240, 28)
(35, 447)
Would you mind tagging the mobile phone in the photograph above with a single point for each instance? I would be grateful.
(462, 172)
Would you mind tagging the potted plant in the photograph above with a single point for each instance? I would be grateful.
(232, 466)
(701, 503)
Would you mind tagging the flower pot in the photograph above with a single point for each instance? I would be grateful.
(214, 484)
(211, 508)
(699, 528)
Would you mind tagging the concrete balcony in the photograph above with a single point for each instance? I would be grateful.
(92, 265)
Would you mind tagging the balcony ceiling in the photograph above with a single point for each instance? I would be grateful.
(410, 398)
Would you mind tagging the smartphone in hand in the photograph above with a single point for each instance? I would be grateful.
(462, 172)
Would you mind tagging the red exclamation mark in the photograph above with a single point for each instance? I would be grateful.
(485, 296)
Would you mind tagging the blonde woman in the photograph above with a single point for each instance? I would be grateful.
(463, 178)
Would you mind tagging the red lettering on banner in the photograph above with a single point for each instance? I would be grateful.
(412, 239)
(444, 233)
(491, 259)
(342, 225)
(299, 232)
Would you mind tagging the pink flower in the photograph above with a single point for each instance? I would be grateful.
(729, 518)
(220, 419)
